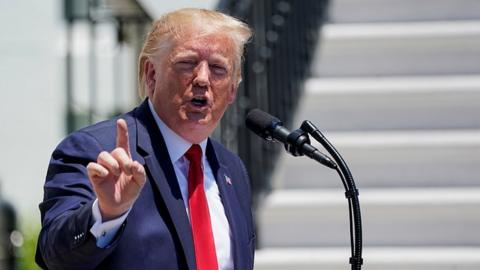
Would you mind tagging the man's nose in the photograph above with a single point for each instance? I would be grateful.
(202, 74)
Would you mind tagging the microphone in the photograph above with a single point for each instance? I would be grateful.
(296, 143)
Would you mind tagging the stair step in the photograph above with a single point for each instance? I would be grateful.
(445, 158)
(391, 217)
(411, 48)
(397, 258)
(348, 11)
(392, 103)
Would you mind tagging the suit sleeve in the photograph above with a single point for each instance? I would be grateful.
(65, 241)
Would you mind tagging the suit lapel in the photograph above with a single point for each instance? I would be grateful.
(161, 170)
(229, 200)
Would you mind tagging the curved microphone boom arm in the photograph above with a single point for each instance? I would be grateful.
(351, 192)
(297, 143)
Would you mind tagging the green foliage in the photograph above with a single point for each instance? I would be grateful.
(26, 253)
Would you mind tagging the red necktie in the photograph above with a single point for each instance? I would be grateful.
(205, 253)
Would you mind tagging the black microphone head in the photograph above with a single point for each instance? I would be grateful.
(262, 123)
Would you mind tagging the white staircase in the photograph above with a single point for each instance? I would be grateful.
(396, 88)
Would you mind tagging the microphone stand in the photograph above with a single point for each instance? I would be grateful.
(299, 137)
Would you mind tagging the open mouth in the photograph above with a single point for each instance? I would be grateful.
(199, 101)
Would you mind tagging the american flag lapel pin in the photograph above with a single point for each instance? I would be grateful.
(228, 180)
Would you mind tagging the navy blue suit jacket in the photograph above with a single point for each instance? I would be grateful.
(157, 232)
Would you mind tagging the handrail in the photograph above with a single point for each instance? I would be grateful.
(277, 61)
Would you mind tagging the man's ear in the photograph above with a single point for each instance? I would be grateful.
(232, 93)
(150, 79)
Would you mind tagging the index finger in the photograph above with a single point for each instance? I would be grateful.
(122, 136)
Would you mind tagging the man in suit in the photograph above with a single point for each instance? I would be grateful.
(150, 189)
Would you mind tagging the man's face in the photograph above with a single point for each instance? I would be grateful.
(194, 84)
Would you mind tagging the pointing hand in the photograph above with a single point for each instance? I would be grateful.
(116, 179)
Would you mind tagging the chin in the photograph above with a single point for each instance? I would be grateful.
(198, 118)
(196, 132)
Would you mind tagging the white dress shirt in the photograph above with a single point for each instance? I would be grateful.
(177, 147)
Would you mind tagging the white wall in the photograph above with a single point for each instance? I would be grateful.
(32, 88)
(157, 8)
(31, 98)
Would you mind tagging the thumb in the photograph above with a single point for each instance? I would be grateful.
(138, 172)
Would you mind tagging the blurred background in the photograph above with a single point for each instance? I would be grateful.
(394, 85)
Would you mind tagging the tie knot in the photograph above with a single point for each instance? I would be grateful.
(194, 154)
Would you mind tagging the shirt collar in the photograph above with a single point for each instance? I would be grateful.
(176, 145)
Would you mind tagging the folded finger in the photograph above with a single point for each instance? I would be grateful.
(109, 162)
(123, 159)
(96, 172)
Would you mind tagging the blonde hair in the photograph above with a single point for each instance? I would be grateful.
(175, 25)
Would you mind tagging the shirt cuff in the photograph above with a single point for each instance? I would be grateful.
(104, 232)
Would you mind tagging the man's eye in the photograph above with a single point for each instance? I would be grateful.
(218, 69)
(186, 64)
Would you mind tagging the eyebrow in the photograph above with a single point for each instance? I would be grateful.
(191, 53)
(185, 54)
